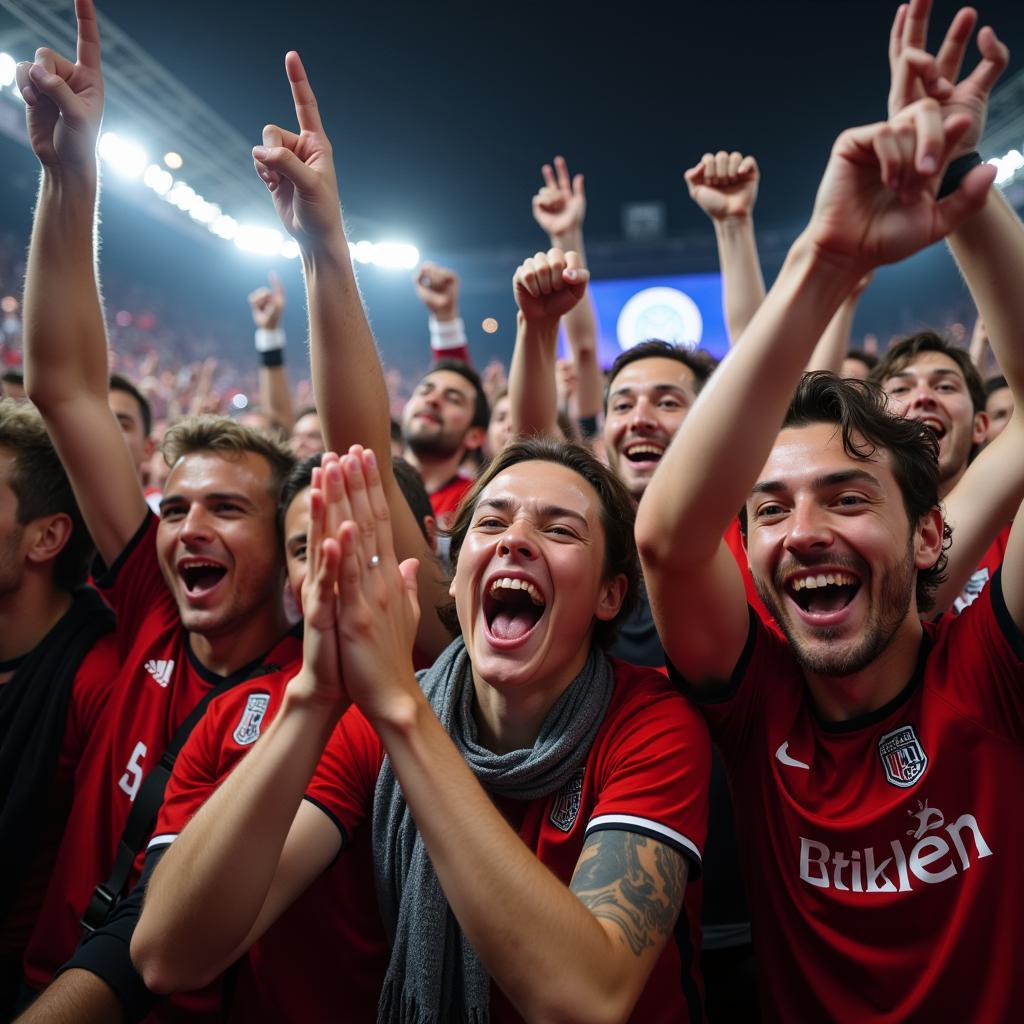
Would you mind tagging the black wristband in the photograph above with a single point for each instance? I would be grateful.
(956, 172)
(274, 357)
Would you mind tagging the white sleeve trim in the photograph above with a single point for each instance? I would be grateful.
(633, 823)
(162, 840)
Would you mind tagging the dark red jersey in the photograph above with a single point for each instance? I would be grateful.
(445, 500)
(647, 772)
(283, 977)
(883, 854)
(992, 559)
(160, 681)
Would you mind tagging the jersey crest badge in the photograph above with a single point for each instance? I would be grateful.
(248, 729)
(566, 805)
(160, 670)
(903, 757)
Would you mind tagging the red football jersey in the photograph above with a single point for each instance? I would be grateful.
(285, 976)
(991, 561)
(158, 684)
(445, 500)
(648, 771)
(883, 854)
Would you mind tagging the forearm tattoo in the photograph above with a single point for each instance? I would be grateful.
(635, 882)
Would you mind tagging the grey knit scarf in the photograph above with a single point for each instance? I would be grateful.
(434, 974)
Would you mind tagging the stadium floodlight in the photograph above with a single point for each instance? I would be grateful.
(1007, 165)
(182, 196)
(126, 158)
(204, 212)
(225, 227)
(395, 255)
(290, 249)
(362, 252)
(259, 240)
(8, 66)
(156, 178)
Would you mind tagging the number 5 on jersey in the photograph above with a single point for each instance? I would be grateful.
(132, 778)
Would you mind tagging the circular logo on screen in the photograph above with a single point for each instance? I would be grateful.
(663, 313)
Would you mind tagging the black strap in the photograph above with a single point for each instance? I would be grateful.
(146, 806)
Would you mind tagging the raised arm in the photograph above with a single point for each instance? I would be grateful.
(724, 185)
(438, 289)
(65, 340)
(876, 204)
(546, 287)
(831, 350)
(267, 305)
(348, 379)
(989, 248)
(559, 208)
(252, 849)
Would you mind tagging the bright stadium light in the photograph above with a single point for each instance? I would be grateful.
(362, 252)
(255, 239)
(204, 212)
(156, 178)
(182, 196)
(225, 227)
(395, 255)
(8, 65)
(125, 157)
(1007, 166)
(290, 249)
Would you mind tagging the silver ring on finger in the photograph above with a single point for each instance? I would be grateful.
(374, 562)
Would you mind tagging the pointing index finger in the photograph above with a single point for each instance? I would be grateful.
(88, 34)
(306, 109)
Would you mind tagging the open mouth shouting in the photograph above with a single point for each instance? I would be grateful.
(513, 605)
(200, 576)
(644, 453)
(934, 424)
(822, 595)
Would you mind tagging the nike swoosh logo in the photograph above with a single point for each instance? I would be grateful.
(784, 758)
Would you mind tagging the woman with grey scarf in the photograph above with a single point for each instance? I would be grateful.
(535, 807)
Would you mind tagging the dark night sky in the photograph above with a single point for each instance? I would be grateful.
(441, 114)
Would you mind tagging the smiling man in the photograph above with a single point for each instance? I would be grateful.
(871, 756)
(444, 420)
(198, 594)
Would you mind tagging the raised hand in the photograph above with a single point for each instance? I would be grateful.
(438, 289)
(321, 658)
(378, 611)
(64, 101)
(915, 73)
(548, 285)
(877, 200)
(724, 185)
(268, 304)
(561, 204)
(299, 169)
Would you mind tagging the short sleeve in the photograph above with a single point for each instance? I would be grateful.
(134, 582)
(733, 710)
(344, 782)
(977, 663)
(655, 774)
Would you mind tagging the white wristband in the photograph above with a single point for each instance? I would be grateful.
(269, 339)
(447, 334)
